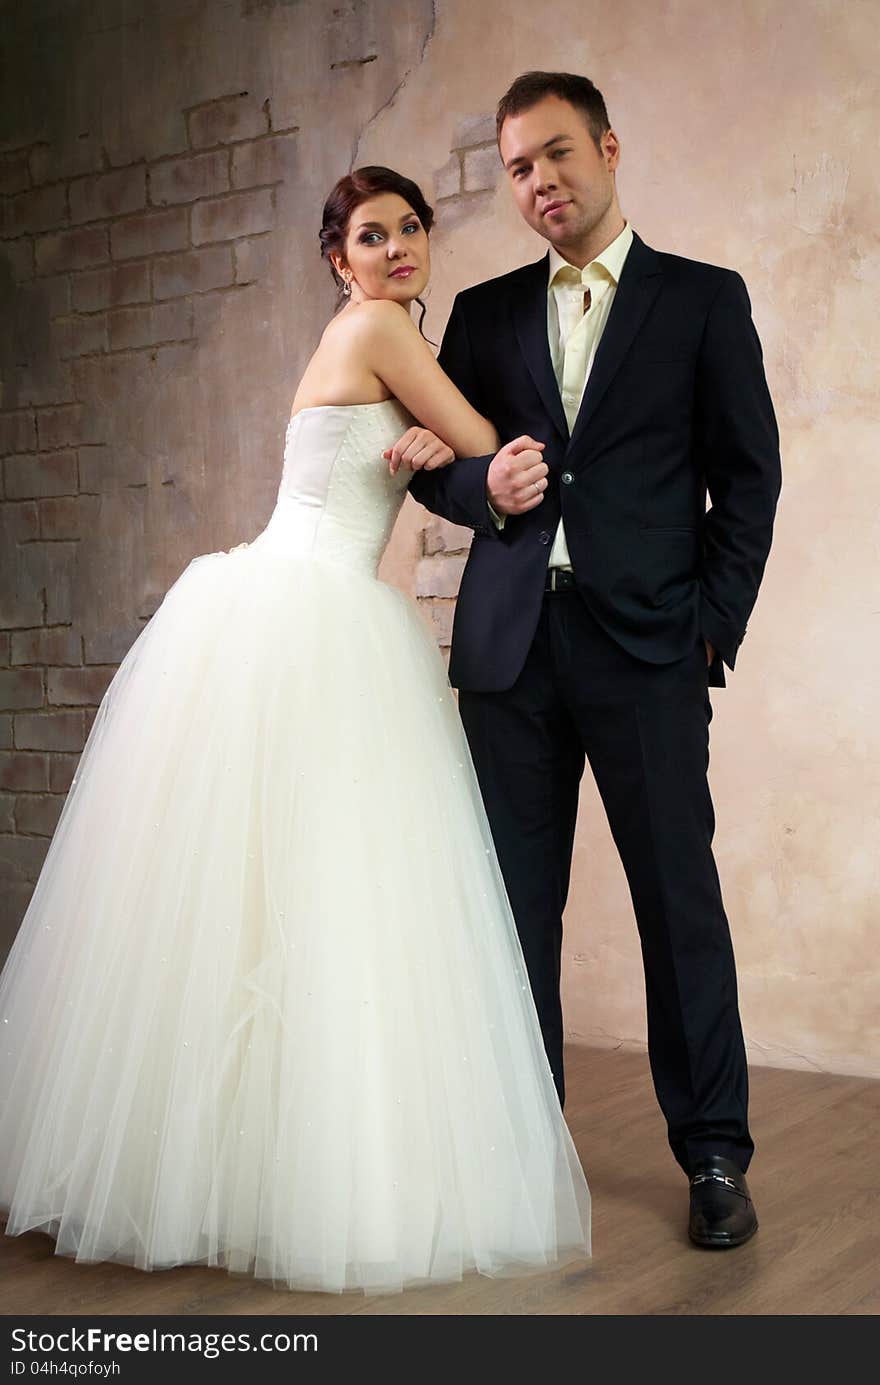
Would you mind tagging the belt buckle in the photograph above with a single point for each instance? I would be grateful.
(559, 579)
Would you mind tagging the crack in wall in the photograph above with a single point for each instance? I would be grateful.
(386, 105)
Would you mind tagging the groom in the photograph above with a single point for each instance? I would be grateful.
(601, 597)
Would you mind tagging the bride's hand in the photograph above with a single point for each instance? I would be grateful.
(420, 450)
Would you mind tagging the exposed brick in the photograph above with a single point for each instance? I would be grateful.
(14, 175)
(474, 129)
(21, 598)
(51, 473)
(49, 162)
(80, 335)
(38, 814)
(193, 271)
(79, 687)
(253, 259)
(351, 32)
(20, 523)
(183, 180)
(56, 294)
(288, 105)
(222, 122)
(95, 470)
(134, 327)
(19, 255)
(59, 645)
(439, 614)
(5, 649)
(21, 687)
(66, 426)
(14, 899)
(238, 214)
(76, 249)
(447, 180)
(108, 194)
(21, 858)
(264, 161)
(18, 432)
(62, 768)
(28, 773)
(47, 570)
(108, 645)
(440, 536)
(49, 731)
(149, 234)
(107, 288)
(207, 308)
(5, 732)
(89, 715)
(482, 168)
(439, 576)
(7, 812)
(61, 517)
(40, 209)
(133, 141)
(48, 383)
(159, 365)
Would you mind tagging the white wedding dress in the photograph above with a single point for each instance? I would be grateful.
(267, 1008)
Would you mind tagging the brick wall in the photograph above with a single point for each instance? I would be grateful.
(162, 172)
(112, 264)
(464, 185)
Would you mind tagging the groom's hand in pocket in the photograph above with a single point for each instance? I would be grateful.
(420, 450)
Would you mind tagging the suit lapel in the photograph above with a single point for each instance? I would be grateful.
(530, 323)
(640, 281)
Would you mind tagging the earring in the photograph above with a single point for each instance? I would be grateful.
(346, 286)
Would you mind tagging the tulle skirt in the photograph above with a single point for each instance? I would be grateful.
(267, 1008)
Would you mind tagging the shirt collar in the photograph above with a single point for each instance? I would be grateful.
(611, 258)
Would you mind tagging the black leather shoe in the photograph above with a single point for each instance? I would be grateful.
(722, 1214)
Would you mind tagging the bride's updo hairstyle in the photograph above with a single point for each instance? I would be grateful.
(353, 190)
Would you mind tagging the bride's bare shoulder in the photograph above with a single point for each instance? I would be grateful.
(374, 315)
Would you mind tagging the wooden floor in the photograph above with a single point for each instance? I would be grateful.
(814, 1180)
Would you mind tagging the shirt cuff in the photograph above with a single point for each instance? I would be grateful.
(498, 519)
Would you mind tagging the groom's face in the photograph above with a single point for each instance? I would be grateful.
(562, 182)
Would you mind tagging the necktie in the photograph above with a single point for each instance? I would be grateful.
(577, 332)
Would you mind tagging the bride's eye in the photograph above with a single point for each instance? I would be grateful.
(370, 238)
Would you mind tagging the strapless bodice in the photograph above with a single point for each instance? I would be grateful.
(337, 501)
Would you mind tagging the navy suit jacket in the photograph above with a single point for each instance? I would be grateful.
(676, 407)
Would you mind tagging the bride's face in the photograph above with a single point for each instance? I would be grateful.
(386, 251)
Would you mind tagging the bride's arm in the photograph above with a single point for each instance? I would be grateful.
(391, 345)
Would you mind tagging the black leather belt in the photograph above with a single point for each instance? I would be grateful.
(559, 579)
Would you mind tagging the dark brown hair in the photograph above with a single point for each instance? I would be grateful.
(349, 193)
(532, 87)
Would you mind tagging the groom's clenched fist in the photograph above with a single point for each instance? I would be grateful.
(517, 477)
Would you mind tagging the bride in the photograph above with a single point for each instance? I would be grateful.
(267, 1008)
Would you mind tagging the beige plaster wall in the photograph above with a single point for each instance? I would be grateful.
(747, 141)
(138, 436)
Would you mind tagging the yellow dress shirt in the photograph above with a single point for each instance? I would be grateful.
(574, 335)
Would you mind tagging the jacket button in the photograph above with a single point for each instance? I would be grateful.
(567, 478)
(544, 536)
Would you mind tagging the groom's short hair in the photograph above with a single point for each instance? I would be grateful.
(532, 87)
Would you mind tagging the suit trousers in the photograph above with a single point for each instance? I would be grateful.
(644, 728)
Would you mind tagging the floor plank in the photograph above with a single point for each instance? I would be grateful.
(813, 1178)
